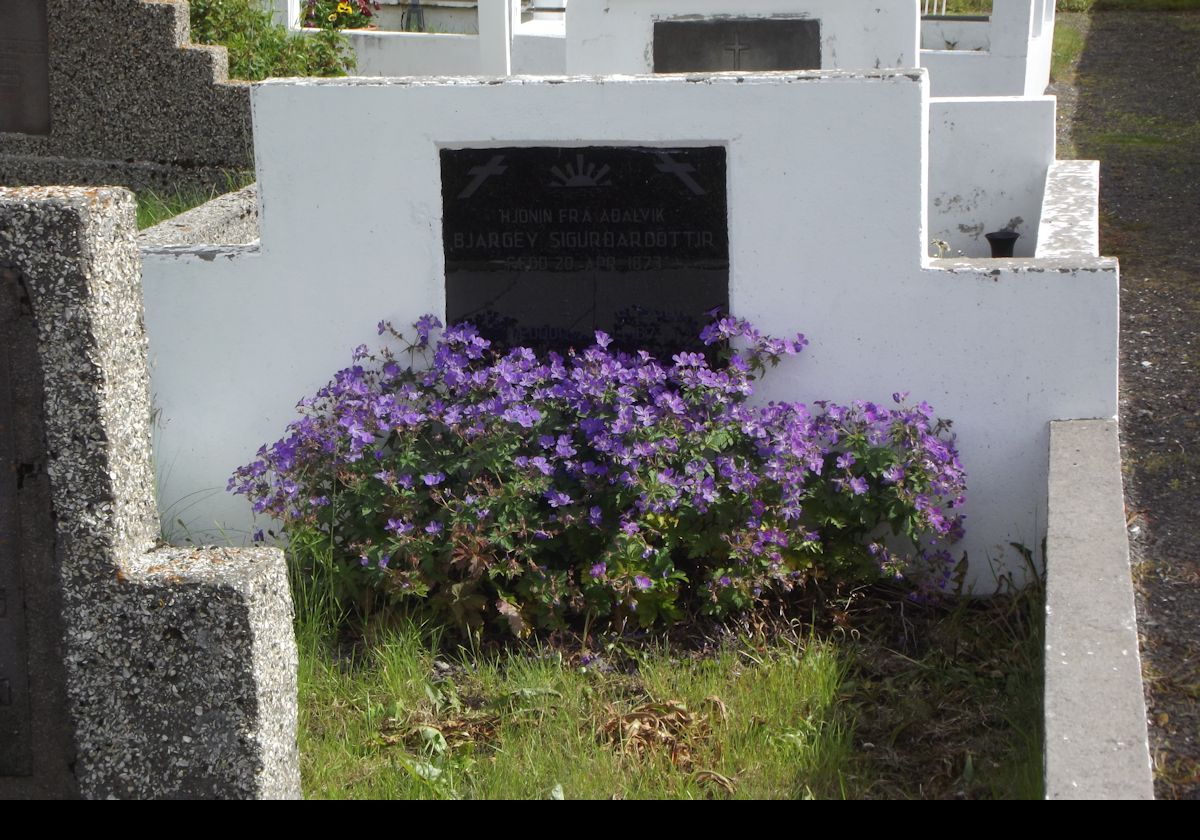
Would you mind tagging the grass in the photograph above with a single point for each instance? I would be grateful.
(1067, 48)
(402, 721)
(883, 700)
(154, 207)
(1141, 5)
(983, 7)
(1136, 132)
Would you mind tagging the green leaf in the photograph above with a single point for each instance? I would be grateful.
(432, 739)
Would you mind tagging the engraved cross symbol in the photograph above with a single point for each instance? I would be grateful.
(482, 173)
(682, 171)
(737, 48)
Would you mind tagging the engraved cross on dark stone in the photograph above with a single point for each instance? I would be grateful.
(738, 44)
(737, 48)
(482, 173)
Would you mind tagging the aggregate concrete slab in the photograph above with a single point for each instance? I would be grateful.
(127, 99)
(179, 664)
(230, 219)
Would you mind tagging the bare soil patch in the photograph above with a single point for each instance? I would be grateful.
(1136, 108)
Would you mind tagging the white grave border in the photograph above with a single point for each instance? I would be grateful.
(1000, 347)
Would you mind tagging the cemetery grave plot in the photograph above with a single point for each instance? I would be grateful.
(794, 241)
(544, 246)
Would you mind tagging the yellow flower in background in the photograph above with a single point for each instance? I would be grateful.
(345, 8)
(333, 16)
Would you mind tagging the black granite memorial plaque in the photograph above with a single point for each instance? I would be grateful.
(24, 67)
(544, 246)
(692, 46)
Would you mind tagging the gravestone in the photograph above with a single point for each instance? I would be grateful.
(129, 670)
(111, 92)
(546, 245)
(24, 67)
(751, 44)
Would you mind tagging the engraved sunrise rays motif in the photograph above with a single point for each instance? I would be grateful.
(581, 173)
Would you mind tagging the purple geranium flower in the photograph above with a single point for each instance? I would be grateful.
(557, 498)
(601, 450)
(399, 526)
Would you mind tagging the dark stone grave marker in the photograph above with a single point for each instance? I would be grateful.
(546, 245)
(24, 67)
(762, 44)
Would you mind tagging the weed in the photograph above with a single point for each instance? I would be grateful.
(258, 47)
(154, 207)
(886, 699)
(1067, 48)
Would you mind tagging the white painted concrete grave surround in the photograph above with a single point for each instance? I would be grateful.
(827, 235)
(988, 158)
(1004, 54)
(617, 36)
(1007, 55)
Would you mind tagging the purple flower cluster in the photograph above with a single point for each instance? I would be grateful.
(604, 482)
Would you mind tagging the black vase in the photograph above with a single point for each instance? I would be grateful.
(1002, 242)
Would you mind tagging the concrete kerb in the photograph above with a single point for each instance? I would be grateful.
(180, 664)
(1095, 715)
(229, 219)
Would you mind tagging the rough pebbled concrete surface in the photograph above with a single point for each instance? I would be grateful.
(1070, 224)
(230, 219)
(180, 663)
(1096, 738)
(132, 103)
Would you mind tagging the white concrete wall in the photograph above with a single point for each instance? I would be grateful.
(955, 33)
(1017, 62)
(958, 73)
(495, 35)
(617, 36)
(539, 48)
(1041, 47)
(988, 159)
(415, 54)
(826, 184)
(453, 17)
